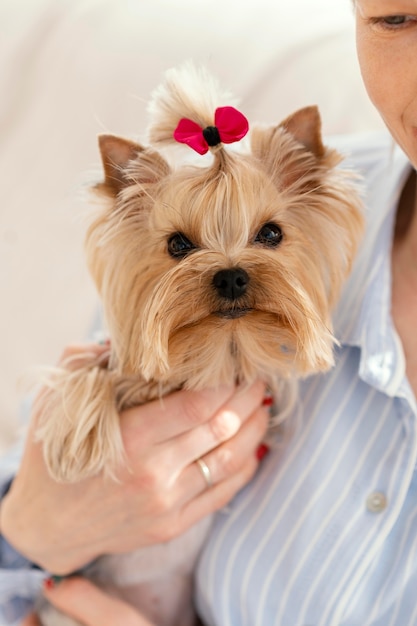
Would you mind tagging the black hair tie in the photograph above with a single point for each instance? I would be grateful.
(212, 136)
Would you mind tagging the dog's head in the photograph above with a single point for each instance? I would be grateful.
(227, 270)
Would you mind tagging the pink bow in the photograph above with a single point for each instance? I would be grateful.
(229, 126)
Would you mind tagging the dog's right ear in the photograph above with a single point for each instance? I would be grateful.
(126, 162)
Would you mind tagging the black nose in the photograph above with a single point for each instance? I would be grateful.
(231, 284)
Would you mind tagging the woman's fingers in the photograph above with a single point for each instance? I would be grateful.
(216, 418)
(173, 508)
(235, 456)
(83, 601)
(231, 466)
(171, 416)
(218, 496)
(222, 427)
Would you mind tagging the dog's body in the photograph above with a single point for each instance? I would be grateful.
(208, 275)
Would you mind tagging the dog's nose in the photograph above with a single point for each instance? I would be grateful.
(232, 283)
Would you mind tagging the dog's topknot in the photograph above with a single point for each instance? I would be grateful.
(187, 92)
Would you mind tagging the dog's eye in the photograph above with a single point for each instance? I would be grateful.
(270, 235)
(179, 246)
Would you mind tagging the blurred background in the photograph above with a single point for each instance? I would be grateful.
(70, 69)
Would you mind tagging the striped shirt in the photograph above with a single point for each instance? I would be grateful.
(326, 533)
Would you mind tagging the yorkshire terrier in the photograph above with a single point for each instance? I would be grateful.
(219, 270)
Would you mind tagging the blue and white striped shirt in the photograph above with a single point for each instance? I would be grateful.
(326, 534)
(20, 581)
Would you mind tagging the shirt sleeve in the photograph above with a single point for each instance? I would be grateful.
(20, 580)
(9, 557)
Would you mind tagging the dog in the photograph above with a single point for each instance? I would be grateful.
(219, 269)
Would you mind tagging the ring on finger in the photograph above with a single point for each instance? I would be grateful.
(205, 470)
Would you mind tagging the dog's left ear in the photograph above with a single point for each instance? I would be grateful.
(305, 126)
(293, 151)
(126, 162)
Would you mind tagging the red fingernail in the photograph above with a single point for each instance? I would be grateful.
(49, 583)
(262, 450)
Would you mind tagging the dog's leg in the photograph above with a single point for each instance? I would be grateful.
(79, 423)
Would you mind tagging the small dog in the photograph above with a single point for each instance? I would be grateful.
(210, 272)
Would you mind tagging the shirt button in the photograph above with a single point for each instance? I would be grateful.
(376, 502)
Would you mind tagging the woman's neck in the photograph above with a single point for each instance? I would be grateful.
(404, 277)
(405, 239)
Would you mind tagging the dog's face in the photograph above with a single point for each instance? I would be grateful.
(213, 274)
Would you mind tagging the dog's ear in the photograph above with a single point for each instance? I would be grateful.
(126, 162)
(293, 152)
(116, 153)
(305, 126)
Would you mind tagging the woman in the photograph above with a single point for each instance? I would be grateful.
(325, 534)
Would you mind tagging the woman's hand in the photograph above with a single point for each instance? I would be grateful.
(61, 527)
(83, 601)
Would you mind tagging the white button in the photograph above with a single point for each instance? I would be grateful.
(376, 502)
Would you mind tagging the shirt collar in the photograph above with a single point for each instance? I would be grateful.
(363, 316)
